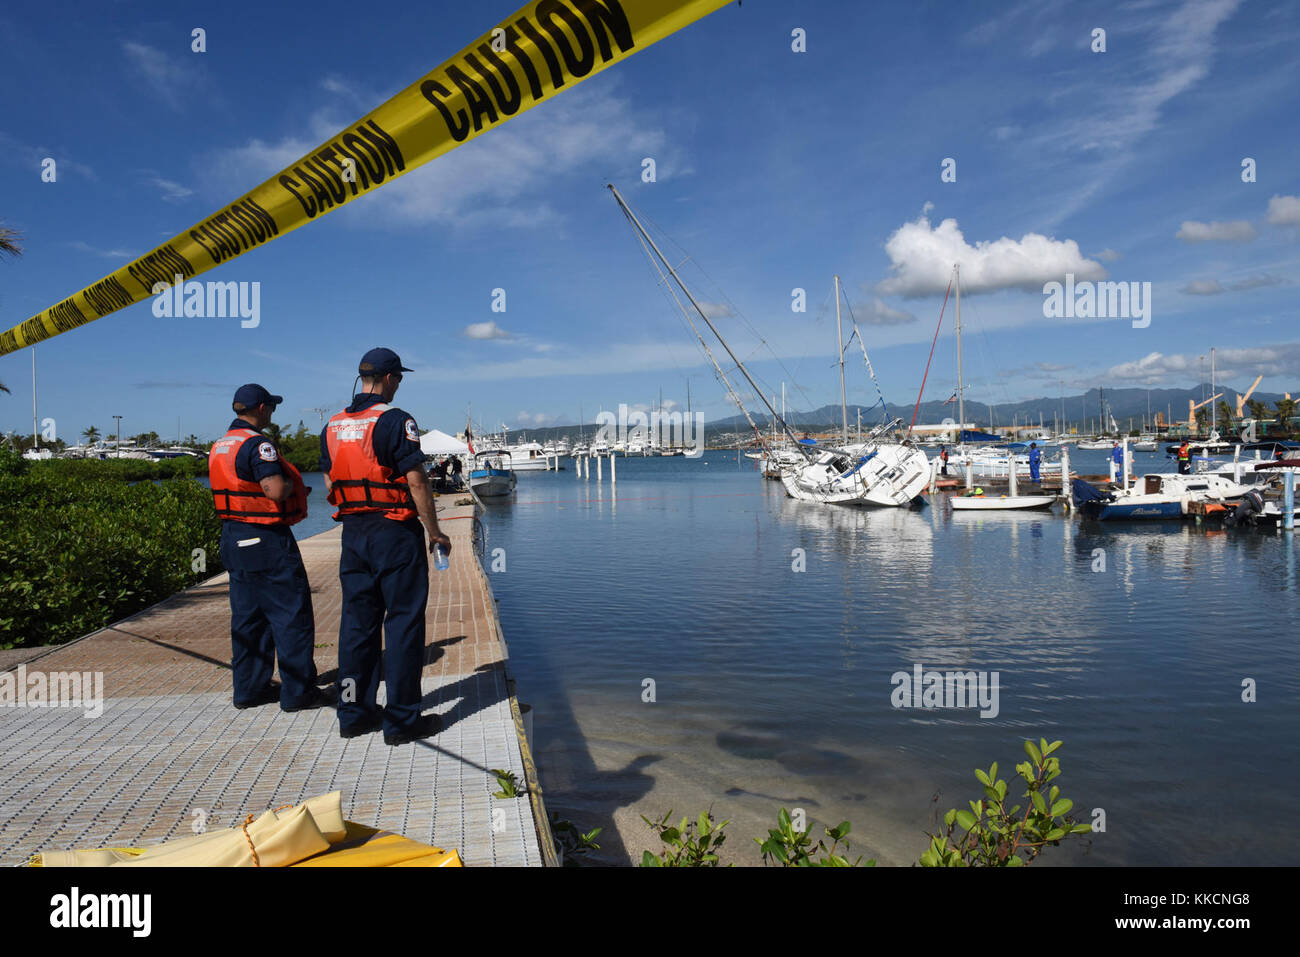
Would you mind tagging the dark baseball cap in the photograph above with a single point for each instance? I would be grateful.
(381, 362)
(252, 395)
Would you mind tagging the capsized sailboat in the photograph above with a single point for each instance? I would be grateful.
(877, 472)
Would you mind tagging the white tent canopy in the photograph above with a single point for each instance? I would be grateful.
(435, 442)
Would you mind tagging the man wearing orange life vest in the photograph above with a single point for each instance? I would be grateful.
(374, 470)
(259, 496)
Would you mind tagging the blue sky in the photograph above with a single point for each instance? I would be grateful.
(775, 169)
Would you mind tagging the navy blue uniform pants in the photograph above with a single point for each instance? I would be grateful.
(270, 612)
(384, 571)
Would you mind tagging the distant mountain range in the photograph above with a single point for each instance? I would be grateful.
(1123, 404)
(1080, 409)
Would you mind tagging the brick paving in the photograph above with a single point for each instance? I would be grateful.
(169, 749)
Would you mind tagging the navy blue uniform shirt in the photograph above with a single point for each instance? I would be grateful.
(255, 459)
(396, 440)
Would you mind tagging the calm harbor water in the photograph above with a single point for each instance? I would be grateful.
(772, 687)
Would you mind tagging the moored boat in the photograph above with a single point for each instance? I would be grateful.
(492, 475)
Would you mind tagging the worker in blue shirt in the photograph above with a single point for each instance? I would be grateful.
(374, 470)
(1117, 456)
(1035, 458)
(258, 497)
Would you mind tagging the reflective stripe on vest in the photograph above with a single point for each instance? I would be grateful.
(358, 483)
(242, 501)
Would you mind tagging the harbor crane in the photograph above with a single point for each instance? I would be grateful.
(1241, 399)
(1193, 405)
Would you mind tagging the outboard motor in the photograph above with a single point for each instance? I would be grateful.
(1083, 493)
(1252, 504)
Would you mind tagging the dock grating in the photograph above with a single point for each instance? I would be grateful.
(170, 753)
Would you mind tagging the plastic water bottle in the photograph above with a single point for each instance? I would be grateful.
(440, 558)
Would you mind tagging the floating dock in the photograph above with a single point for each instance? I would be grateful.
(170, 755)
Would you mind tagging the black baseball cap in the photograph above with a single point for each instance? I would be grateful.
(381, 362)
(253, 395)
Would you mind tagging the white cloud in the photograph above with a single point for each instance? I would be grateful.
(106, 253)
(1246, 363)
(1257, 282)
(922, 258)
(162, 73)
(1212, 287)
(1236, 231)
(879, 313)
(1095, 124)
(537, 419)
(21, 154)
(1284, 210)
(485, 330)
(605, 360)
(716, 310)
(1109, 256)
(172, 192)
(502, 179)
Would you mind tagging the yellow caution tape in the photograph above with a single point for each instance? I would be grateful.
(545, 48)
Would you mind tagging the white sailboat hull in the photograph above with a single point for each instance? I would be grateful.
(976, 503)
(882, 475)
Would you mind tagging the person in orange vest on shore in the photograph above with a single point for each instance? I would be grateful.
(259, 496)
(374, 470)
(1184, 458)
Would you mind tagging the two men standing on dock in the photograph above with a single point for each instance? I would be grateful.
(375, 475)
(259, 496)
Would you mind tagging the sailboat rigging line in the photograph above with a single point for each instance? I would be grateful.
(736, 313)
(743, 371)
(917, 408)
(884, 407)
(731, 392)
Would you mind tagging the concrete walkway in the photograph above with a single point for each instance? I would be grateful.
(170, 754)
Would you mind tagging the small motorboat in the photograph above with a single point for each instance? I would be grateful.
(962, 503)
(1159, 496)
(492, 475)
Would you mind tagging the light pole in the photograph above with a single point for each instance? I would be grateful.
(118, 444)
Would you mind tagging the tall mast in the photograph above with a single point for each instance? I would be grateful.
(839, 338)
(1214, 417)
(961, 396)
(708, 322)
(36, 436)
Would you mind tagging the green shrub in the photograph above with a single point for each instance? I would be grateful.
(81, 546)
(999, 836)
(687, 843)
(790, 847)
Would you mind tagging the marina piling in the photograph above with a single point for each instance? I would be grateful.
(600, 468)
(1288, 501)
(613, 471)
(1065, 475)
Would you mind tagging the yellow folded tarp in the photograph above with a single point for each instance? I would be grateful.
(368, 847)
(312, 833)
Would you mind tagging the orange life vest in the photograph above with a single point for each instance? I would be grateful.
(241, 501)
(358, 483)
(1183, 452)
